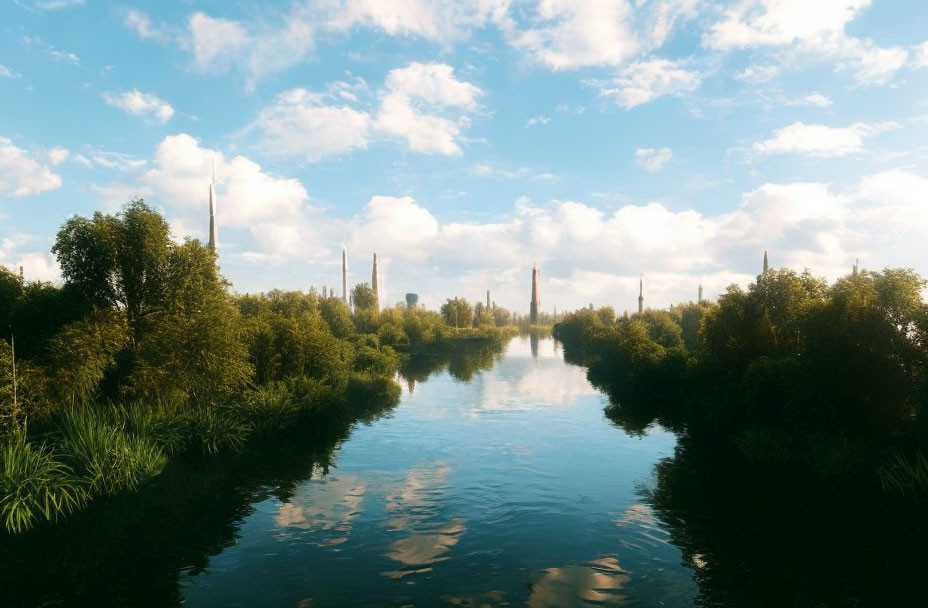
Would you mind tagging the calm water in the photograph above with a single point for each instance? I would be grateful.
(508, 489)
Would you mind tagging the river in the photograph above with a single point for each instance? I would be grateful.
(511, 488)
(497, 480)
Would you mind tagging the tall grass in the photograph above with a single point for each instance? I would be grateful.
(109, 459)
(906, 477)
(35, 485)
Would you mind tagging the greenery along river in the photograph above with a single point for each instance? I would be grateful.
(496, 481)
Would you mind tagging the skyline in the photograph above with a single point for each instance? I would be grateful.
(464, 141)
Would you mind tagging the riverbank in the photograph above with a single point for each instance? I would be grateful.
(792, 377)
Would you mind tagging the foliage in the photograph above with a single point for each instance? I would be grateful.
(107, 458)
(791, 373)
(458, 312)
(35, 484)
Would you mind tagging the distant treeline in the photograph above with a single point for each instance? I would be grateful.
(143, 357)
(826, 382)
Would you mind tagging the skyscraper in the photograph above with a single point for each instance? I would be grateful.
(345, 275)
(374, 286)
(213, 240)
(488, 299)
(536, 300)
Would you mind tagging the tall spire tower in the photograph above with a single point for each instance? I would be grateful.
(374, 286)
(765, 262)
(488, 299)
(536, 300)
(345, 275)
(641, 293)
(699, 301)
(213, 241)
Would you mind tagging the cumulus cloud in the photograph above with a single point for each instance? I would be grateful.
(569, 35)
(821, 140)
(647, 80)
(6, 72)
(416, 95)
(271, 210)
(21, 174)
(653, 159)
(17, 250)
(136, 103)
(301, 123)
(423, 104)
(816, 31)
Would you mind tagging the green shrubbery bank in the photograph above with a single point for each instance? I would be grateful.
(143, 356)
(826, 382)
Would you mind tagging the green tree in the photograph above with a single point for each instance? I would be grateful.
(457, 313)
(117, 261)
(193, 346)
(362, 296)
(336, 314)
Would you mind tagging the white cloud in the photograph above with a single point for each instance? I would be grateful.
(6, 72)
(815, 30)
(50, 51)
(56, 156)
(53, 5)
(752, 23)
(568, 35)
(920, 56)
(422, 103)
(541, 119)
(821, 140)
(136, 103)
(180, 175)
(145, 28)
(415, 96)
(441, 21)
(495, 172)
(21, 175)
(811, 99)
(299, 123)
(653, 159)
(647, 80)
(758, 73)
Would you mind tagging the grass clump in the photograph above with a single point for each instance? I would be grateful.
(35, 484)
(105, 456)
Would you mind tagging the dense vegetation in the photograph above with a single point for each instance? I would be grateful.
(143, 358)
(828, 383)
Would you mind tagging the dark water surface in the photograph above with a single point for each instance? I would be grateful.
(509, 489)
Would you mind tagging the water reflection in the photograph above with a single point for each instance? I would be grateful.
(415, 509)
(598, 582)
(531, 378)
(326, 507)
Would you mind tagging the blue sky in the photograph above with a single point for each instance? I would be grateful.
(463, 141)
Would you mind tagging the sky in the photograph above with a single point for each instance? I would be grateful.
(463, 141)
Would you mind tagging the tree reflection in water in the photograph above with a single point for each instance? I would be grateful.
(759, 538)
